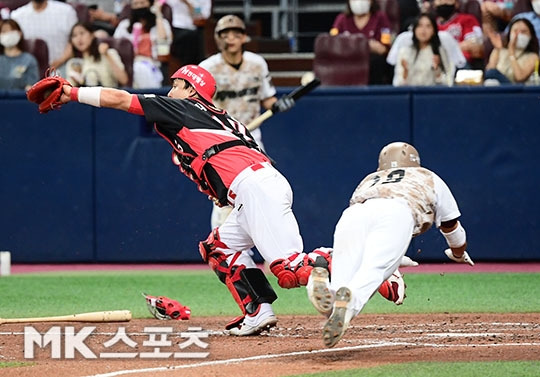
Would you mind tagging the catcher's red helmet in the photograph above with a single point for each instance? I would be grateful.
(202, 80)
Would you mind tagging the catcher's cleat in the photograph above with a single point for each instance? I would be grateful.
(318, 291)
(263, 319)
(338, 322)
(393, 289)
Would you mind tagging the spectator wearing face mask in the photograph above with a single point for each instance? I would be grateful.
(514, 60)
(465, 29)
(149, 32)
(364, 16)
(533, 17)
(51, 21)
(18, 69)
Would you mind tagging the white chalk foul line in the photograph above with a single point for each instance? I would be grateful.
(251, 358)
(301, 353)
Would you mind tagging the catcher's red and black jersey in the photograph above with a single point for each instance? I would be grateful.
(210, 147)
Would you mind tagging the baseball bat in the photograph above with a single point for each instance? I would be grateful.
(105, 316)
(295, 94)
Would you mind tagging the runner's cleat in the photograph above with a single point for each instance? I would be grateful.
(319, 291)
(338, 322)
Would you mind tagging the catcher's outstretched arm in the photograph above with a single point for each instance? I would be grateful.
(99, 97)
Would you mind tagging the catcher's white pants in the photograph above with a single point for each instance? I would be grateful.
(219, 215)
(369, 241)
(262, 216)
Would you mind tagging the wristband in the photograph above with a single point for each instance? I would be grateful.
(74, 94)
(457, 237)
(90, 95)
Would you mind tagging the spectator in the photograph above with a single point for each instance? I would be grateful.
(188, 19)
(364, 16)
(18, 69)
(450, 45)
(243, 83)
(51, 21)
(496, 14)
(533, 17)
(516, 59)
(425, 62)
(149, 33)
(465, 28)
(94, 64)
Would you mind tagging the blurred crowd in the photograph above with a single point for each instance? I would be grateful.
(138, 43)
(133, 43)
(442, 42)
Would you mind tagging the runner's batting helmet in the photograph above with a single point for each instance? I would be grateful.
(229, 21)
(201, 80)
(398, 155)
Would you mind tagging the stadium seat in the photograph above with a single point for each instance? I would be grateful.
(38, 48)
(82, 11)
(13, 4)
(521, 6)
(472, 7)
(125, 50)
(341, 59)
(391, 8)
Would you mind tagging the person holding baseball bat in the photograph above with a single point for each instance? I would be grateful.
(220, 156)
(243, 84)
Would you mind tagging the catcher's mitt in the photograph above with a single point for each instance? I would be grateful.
(47, 92)
(162, 307)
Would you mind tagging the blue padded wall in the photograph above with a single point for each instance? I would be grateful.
(46, 182)
(327, 144)
(85, 184)
(484, 144)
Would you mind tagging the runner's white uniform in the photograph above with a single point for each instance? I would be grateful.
(386, 210)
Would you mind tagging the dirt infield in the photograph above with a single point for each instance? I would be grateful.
(293, 347)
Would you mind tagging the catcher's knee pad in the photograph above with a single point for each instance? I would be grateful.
(209, 245)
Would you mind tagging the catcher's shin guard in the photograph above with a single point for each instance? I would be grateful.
(295, 270)
(248, 286)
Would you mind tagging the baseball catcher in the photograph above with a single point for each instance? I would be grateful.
(219, 155)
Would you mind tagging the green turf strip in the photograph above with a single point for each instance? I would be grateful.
(471, 369)
(14, 364)
(65, 293)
